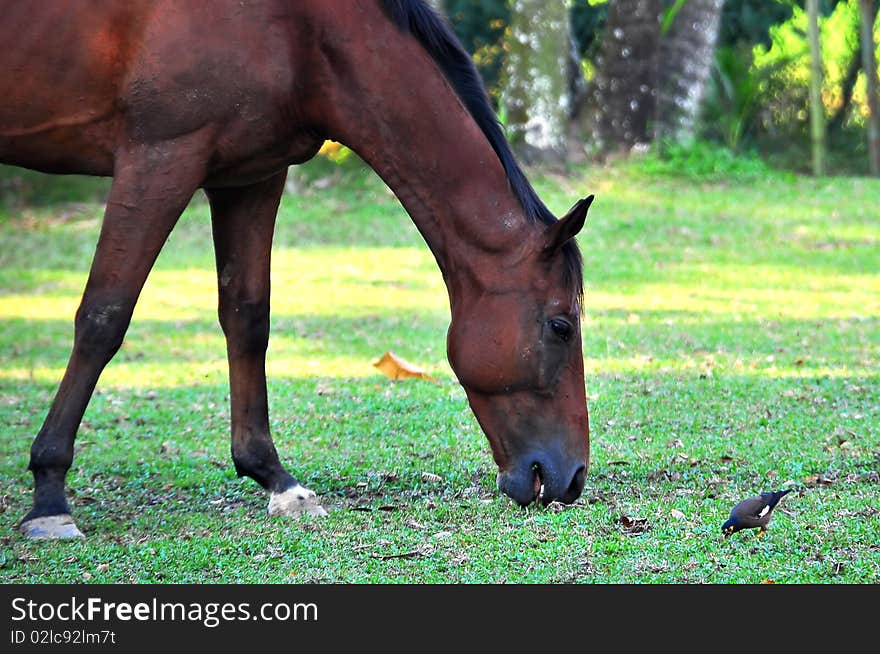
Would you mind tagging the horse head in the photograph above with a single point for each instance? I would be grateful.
(516, 349)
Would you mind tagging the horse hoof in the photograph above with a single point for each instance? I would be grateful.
(50, 526)
(294, 501)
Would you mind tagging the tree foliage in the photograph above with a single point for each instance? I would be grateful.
(758, 95)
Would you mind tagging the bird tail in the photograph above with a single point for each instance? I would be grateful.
(778, 495)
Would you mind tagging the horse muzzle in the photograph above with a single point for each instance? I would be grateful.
(543, 478)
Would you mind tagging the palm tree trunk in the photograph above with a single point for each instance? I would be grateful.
(869, 65)
(687, 50)
(624, 95)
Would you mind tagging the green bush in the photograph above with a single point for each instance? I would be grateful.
(704, 160)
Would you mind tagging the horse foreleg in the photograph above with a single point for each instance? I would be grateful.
(243, 221)
(142, 208)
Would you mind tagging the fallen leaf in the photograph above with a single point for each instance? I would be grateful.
(818, 480)
(396, 368)
(634, 525)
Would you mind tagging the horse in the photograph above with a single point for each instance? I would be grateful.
(171, 97)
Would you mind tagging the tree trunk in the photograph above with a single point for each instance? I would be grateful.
(817, 109)
(869, 64)
(624, 95)
(535, 95)
(686, 53)
(848, 86)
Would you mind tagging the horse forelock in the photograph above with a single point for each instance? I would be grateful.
(422, 21)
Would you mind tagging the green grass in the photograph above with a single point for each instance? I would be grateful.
(731, 342)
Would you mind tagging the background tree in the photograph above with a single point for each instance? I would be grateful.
(653, 69)
(623, 99)
(817, 109)
(868, 10)
(687, 47)
(535, 94)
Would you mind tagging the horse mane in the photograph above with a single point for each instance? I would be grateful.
(422, 21)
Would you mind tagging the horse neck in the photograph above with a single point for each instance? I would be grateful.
(392, 105)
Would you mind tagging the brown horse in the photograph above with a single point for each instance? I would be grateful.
(168, 97)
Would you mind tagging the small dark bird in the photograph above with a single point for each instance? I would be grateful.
(753, 512)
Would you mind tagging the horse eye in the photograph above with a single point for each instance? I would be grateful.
(562, 328)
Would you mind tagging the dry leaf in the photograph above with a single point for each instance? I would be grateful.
(817, 480)
(396, 368)
(634, 525)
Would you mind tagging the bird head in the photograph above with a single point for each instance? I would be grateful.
(729, 527)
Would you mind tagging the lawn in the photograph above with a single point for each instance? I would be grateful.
(731, 343)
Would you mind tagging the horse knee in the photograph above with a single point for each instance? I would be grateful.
(245, 324)
(48, 457)
(100, 328)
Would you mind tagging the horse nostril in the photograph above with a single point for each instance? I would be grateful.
(577, 483)
(537, 480)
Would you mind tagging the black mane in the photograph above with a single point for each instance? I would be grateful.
(422, 21)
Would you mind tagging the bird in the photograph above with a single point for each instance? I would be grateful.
(753, 512)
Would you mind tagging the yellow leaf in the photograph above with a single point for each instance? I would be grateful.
(396, 368)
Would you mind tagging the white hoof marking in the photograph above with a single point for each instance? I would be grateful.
(52, 526)
(295, 500)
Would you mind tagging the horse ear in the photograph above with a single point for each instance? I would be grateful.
(567, 227)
